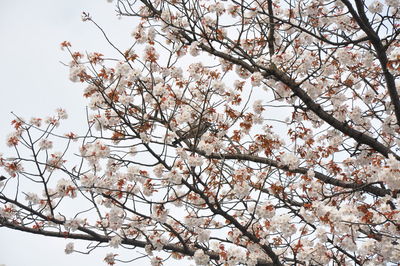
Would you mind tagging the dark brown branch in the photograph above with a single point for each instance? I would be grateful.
(341, 126)
(309, 102)
(106, 239)
(380, 192)
(216, 209)
(380, 51)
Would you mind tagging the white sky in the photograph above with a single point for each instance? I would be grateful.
(35, 83)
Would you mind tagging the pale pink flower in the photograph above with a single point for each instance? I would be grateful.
(201, 258)
(290, 160)
(139, 34)
(194, 49)
(36, 121)
(110, 258)
(56, 160)
(393, 3)
(76, 73)
(69, 248)
(73, 224)
(242, 72)
(13, 139)
(203, 235)
(32, 198)
(258, 107)
(256, 79)
(174, 176)
(52, 121)
(156, 261)
(115, 241)
(219, 86)
(45, 144)
(241, 189)
(176, 72)
(195, 161)
(150, 54)
(115, 218)
(375, 7)
(66, 188)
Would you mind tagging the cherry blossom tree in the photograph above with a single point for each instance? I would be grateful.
(252, 132)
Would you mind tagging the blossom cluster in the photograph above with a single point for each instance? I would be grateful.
(298, 162)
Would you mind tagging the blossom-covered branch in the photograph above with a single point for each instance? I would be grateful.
(228, 133)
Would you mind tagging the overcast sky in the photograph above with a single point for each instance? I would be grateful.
(35, 83)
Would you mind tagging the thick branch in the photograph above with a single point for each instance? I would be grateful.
(313, 106)
(341, 126)
(380, 192)
(216, 209)
(380, 51)
(104, 239)
(92, 236)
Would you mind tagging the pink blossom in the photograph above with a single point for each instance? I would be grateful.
(69, 248)
(110, 258)
(200, 257)
(45, 144)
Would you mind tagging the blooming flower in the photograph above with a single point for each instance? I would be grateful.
(73, 224)
(375, 7)
(258, 107)
(115, 218)
(77, 72)
(201, 258)
(256, 79)
(69, 248)
(156, 261)
(36, 121)
(13, 139)
(66, 188)
(203, 235)
(242, 72)
(45, 144)
(393, 3)
(195, 161)
(290, 160)
(110, 258)
(194, 49)
(241, 190)
(32, 198)
(94, 151)
(174, 176)
(55, 161)
(62, 114)
(150, 54)
(115, 241)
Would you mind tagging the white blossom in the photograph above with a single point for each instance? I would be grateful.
(69, 248)
(77, 72)
(194, 49)
(110, 258)
(256, 79)
(241, 190)
(258, 107)
(290, 160)
(45, 144)
(203, 235)
(73, 224)
(375, 7)
(201, 258)
(115, 241)
(62, 114)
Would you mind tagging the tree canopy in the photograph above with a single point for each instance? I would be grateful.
(252, 132)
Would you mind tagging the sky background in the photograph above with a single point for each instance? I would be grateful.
(35, 83)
